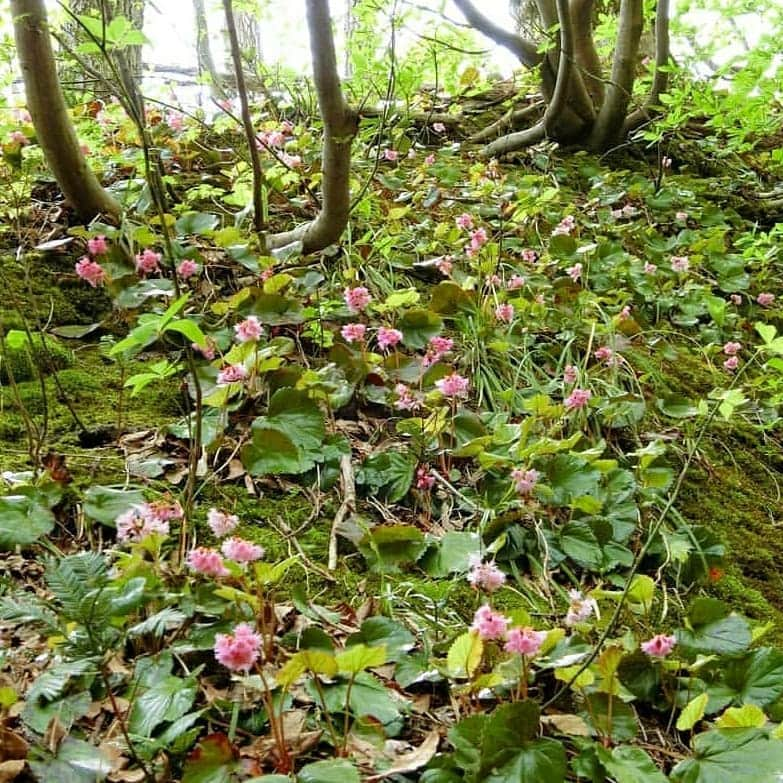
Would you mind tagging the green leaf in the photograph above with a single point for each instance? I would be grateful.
(316, 661)
(76, 761)
(360, 657)
(731, 756)
(730, 635)
(196, 223)
(23, 520)
(747, 717)
(389, 472)
(388, 547)
(626, 764)
(578, 541)
(464, 655)
(167, 700)
(384, 632)
(190, 329)
(275, 452)
(451, 555)
(332, 771)
(213, 761)
(756, 678)
(541, 760)
(692, 713)
(418, 326)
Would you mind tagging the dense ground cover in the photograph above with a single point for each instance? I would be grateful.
(489, 492)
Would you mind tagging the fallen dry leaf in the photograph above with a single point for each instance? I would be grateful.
(10, 770)
(410, 762)
(12, 746)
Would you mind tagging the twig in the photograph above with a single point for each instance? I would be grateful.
(347, 506)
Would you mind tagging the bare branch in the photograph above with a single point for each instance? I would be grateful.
(525, 51)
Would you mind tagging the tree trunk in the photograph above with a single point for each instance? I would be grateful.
(206, 64)
(340, 127)
(132, 10)
(53, 126)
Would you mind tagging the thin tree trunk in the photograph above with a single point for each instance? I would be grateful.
(587, 58)
(53, 126)
(340, 127)
(611, 118)
(206, 64)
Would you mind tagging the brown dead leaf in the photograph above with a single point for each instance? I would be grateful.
(12, 746)
(10, 770)
(567, 724)
(410, 762)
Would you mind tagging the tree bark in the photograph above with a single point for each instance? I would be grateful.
(53, 126)
(340, 127)
(611, 118)
(206, 63)
(587, 58)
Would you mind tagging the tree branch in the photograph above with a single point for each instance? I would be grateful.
(340, 127)
(584, 49)
(661, 77)
(525, 51)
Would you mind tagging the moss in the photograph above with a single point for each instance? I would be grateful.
(23, 361)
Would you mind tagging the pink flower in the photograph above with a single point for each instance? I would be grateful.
(138, 523)
(732, 348)
(525, 641)
(164, 510)
(273, 138)
(465, 220)
(565, 226)
(604, 354)
(478, 239)
(248, 330)
(666, 162)
(453, 385)
(176, 121)
(97, 246)
(736, 299)
(681, 216)
(650, 269)
(207, 562)
(221, 523)
(147, 262)
(239, 651)
(731, 363)
(493, 280)
(430, 159)
(659, 646)
(444, 265)
(357, 298)
(390, 155)
(438, 127)
(187, 268)
(578, 399)
(488, 624)
(406, 400)
(628, 210)
(524, 480)
(17, 137)
(765, 300)
(353, 333)
(529, 256)
(580, 608)
(680, 263)
(570, 374)
(505, 313)
(234, 373)
(292, 161)
(516, 282)
(388, 338)
(424, 479)
(207, 351)
(625, 313)
(437, 348)
(575, 271)
(91, 271)
(241, 551)
(485, 576)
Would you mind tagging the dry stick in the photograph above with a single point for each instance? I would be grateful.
(347, 506)
(656, 526)
(247, 120)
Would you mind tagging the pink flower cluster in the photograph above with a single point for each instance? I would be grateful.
(605, 354)
(570, 374)
(478, 239)
(659, 646)
(207, 562)
(464, 221)
(577, 399)
(406, 399)
(390, 155)
(240, 650)
(580, 608)
(565, 227)
(525, 641)
(147, 262)
(529, 256)
(765, 299)
(680, 264)
(731, 349)
(493, 626)
(488, 624)
(221, 523)
(17, 137)
(187, 268)
(505, 313)
(388, 338)
(233, 373)
(249, 330)
(147, 519)
(353, 333)
(453, 385)
(575, 271)
(424, 479)
(88, 268)
(437, 348)
(357, 298)
(444, 265)
(485, 576)
(241, 551)
(525, 480)
(516, 282)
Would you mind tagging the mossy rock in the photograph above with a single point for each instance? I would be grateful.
(24, 360)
